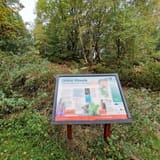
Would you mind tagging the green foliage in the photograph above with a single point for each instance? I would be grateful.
(156, 56)
(145, 108)
(93, 29)
(28, 136)
(14, 37)
(19, 73)
(14, 103)
(27, 75)
(26, 132)
(118, 34)
(142, 71)
(149, 77)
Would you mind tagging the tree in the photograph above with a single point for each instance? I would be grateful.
(12, 28)
(91, 29)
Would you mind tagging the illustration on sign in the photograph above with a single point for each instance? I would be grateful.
(88, 98)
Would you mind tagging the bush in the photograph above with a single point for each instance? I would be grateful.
(12, 104)
(143, 75)
(26, 73)
(156, 56)
(149, 76)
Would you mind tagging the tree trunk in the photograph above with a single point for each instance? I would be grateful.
(118, 45)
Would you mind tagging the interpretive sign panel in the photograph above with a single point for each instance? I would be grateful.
(88, 99)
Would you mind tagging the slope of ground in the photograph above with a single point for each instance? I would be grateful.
(26, 97)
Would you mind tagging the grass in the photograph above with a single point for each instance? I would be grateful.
(29, 136)
(27, 89)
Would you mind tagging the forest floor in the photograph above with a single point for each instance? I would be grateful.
(26, 98)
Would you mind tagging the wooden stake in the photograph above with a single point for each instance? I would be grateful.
(69, 132)
(107, 131)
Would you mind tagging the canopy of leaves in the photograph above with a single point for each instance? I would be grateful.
(13, 34)
(92, 29)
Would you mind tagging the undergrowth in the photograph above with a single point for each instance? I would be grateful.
(26, 96)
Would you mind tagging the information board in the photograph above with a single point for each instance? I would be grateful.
(88, 99)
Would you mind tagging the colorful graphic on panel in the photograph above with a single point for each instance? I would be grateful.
(89, 98)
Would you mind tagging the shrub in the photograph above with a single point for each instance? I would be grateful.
(149, 76)
(11, 104)
(144, 75)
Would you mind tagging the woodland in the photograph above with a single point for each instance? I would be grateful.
(79, 37)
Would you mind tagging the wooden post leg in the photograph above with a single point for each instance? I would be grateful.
(69, 132)
(107, 131)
